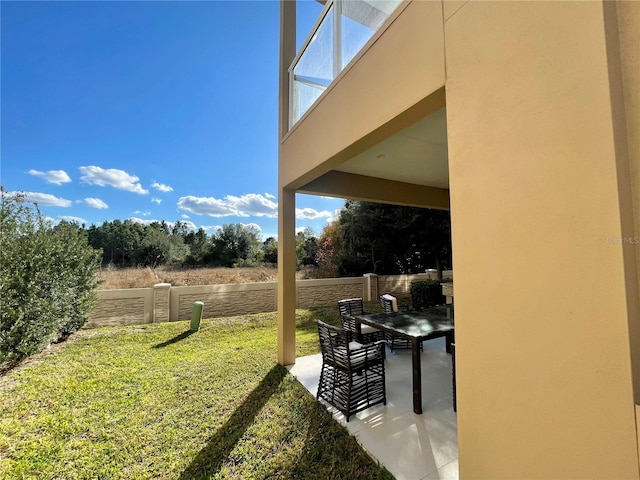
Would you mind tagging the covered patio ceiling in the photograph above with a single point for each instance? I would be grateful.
(404, 168)
(418, 154)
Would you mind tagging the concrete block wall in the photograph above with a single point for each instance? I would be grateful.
(313, 293)
(164, 303)
(130, 306)
(400, 285)
(161, 302)
(224, 300)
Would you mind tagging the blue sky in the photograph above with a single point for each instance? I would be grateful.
(147, 110)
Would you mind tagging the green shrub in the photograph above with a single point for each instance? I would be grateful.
(426, 293)
(48, 278)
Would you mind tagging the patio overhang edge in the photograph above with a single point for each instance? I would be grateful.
(373, 189)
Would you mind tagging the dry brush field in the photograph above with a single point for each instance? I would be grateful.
(148, 277)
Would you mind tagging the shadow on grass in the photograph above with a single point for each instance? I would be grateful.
(330, 451)
(175, 339)
(211, 457)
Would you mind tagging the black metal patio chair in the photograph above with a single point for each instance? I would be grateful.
(351, 379)
(390, 305)
(349, 307)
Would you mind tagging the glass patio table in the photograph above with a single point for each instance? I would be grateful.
(415, 326)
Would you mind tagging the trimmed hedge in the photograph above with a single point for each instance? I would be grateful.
(426, 293)
(48, 278)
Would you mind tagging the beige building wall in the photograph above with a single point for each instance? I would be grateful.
(544, 374)
(622, 23)
(399, 73)
(543, 119)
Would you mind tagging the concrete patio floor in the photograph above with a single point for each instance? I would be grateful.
(410, 446)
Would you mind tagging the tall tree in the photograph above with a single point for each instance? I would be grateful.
(306, 247)
(200, 249)
(391, 239)
(159, 246)
(237, 245)
(270, 250)
(328, 255)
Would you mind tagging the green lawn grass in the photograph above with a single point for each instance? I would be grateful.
(153, 401)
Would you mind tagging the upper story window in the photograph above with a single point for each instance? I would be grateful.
(342, 29)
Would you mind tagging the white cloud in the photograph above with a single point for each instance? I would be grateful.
(46, 199)
(268, 195)
(70, 218)
(190, 225)
(332, 218)
(185, 216)
(112, 177)
(300, 229)
(156, 200)
(52, 176)
(311, 214)
(144, 214)
(162, 187)
(216, 228)
(251, 204)
(67, 218)
(205, 206)
(252, 225)
(140, 220)
(95, 203)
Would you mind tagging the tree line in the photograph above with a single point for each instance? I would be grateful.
(132, 244)
(364, 237)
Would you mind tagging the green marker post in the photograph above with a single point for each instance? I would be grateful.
(196, 316)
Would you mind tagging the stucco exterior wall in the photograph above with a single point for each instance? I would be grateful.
(623, 39)
(544, 375)
(395, 73)
(543, 122)
(628, 25)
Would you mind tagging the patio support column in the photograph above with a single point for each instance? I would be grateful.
(286, 276)
(286, 200)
